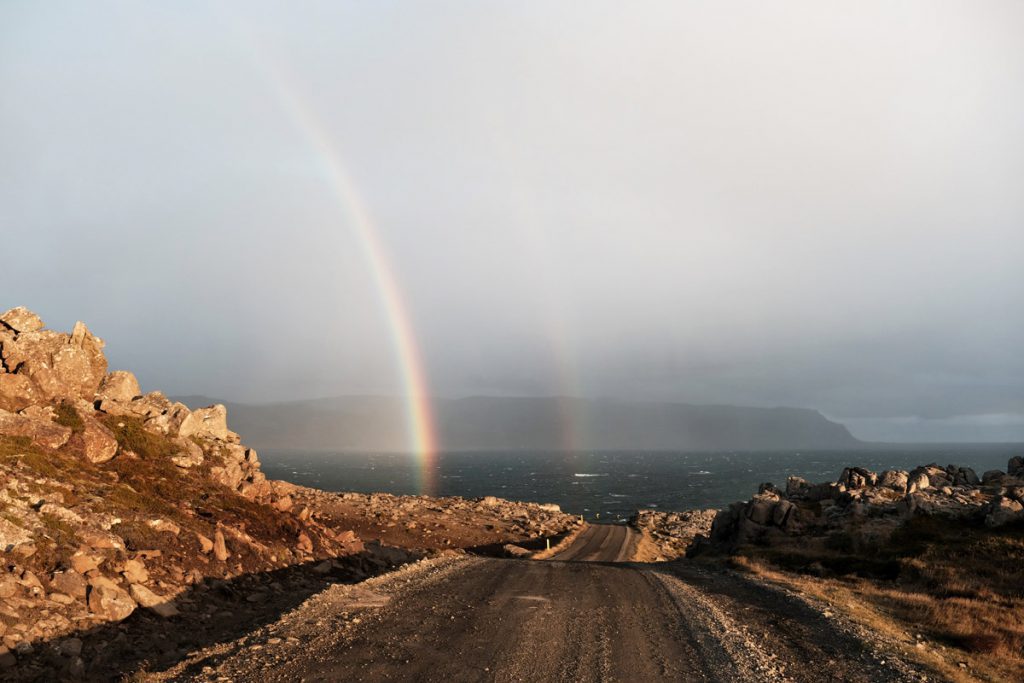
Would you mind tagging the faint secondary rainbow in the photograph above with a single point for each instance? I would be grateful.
(419, 414)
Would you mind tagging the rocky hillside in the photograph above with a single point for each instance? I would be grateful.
(134, 530)
(113, 501)
(865, 508)
(933, 558)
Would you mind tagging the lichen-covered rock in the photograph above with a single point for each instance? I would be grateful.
(100, 444)
(120, 385)
(42, 365)
(20, 319)
(43, 432)
(210, 423)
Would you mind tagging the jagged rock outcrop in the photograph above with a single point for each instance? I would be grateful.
(39, 365)
(865, 507)
(115, 501)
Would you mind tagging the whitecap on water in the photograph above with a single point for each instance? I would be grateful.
(587, 474)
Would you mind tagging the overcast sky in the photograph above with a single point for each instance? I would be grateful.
(812, 203)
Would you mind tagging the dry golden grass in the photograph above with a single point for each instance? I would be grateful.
(959, 592)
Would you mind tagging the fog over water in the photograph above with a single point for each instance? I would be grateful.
(812, 204)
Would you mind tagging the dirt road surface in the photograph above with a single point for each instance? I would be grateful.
(582, 616)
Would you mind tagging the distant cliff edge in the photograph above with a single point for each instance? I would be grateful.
(378, 424)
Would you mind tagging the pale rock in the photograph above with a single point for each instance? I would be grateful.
(210, 422)
(168, 421)
(84, 562)
(220, 548)
(164, 526)
(894, 479)
(110, 601)
(99, 540)
(189, 455)
(134, 571)
(284, 503)
(55, 366)
(119, 385)
(9, 586)
(20, 319)
(100, 442)
(150, 600)
(917, 481)
(205, 544)
(12, 535)
(60, 598)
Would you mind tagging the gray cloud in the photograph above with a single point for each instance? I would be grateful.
(807, 203)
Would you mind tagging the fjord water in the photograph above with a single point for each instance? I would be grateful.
(610, 485)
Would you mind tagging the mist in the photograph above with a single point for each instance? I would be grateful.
(806, 204)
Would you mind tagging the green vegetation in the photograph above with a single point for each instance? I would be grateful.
(69, 417)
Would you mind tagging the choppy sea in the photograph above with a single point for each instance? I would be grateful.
(609, 486)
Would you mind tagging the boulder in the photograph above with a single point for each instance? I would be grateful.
(70, 583)
(1003, 511)
(134, 571)
(211, 423)
(965, 476)
(1016, 466)
(42, 432)
(43, 365)
(894, 479)
(918, 481)
(119, 385)
(20, 319)
(991, 476)
(220, 548)
(17, 391)
(796, 487)
(857, 478)
(760, 509)
(84, 562)
(189, 455)
(99, 442)
(150, 600)
(108, 600)
(205, 544)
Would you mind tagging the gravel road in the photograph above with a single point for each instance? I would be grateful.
(480, 619)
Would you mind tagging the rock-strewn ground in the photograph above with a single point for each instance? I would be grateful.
(429, 524)
(668, 535)
(933, 559)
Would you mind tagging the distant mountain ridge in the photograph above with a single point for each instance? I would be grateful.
(488, 423)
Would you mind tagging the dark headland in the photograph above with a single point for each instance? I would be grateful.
(489, 423)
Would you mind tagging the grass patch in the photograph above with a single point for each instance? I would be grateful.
(69, 417)
(958, 584)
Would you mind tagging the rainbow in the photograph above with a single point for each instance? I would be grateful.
(422, 434)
